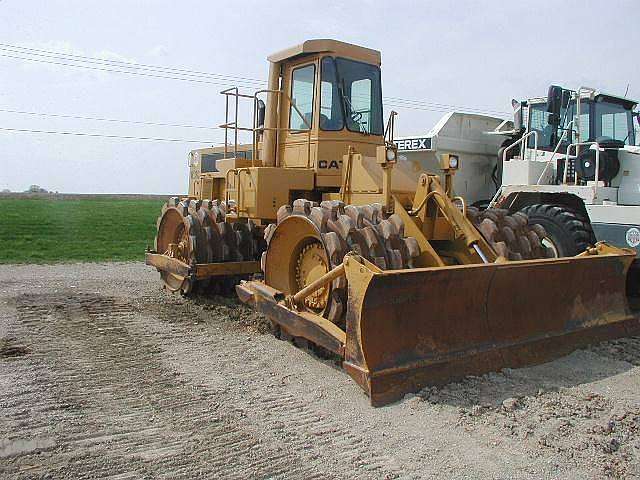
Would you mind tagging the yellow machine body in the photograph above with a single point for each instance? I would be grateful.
(363, 255)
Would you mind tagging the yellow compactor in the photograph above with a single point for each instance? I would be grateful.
(321, 227)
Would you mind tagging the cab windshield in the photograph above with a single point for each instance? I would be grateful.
(597, 119)
(351, 96)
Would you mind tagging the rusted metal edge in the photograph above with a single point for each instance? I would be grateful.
(201, 270)
(167, 264)
(206, 270)
(315, 328)
(389, 385)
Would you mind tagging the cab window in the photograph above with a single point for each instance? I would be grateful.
(209, 161)
(331, 117)
(548, 136)
(614, 121)
(361, 92)
(302, 86)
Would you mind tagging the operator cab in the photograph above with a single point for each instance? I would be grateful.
(601, 116)
(576, 132)
(350, 97)
(331, 99)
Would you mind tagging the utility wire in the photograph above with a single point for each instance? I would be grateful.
(100, 119)
(440, 106)
(185, 75)
(100, 135)
(141, 74)
(124, 64)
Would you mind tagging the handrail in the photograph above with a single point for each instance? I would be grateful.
(582, 89)
(575, 172)
(389, 130)
(254, 129)
(495, 197)
(533, 133)
(236, 172)
(233, 91)
(227, 183)
(555, 150)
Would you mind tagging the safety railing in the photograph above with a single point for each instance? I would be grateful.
(569, 128)
(234, 187)
(575, 172)
(256, 130)
(235, 93)
(521, 140)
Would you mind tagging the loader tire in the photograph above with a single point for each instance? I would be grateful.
(568, 232)
(633, 286)
(511, 236)
(364, 229)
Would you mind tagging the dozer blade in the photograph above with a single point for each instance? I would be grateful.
(410, 328)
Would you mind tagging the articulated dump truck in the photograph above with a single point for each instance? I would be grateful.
(319, 226)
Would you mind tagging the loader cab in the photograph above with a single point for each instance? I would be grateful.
(331, 100)
(601, 116)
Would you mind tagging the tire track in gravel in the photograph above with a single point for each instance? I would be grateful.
(102, 403)
(251, 384)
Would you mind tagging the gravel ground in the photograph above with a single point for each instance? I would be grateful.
(103, 375)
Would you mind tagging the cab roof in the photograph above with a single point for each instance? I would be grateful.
(342, 49)
(596, 95)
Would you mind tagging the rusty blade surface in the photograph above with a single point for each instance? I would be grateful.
(411, 328)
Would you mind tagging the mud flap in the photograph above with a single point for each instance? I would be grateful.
(410, 328)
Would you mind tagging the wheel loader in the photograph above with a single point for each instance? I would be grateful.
(323, 231)
(521, 163)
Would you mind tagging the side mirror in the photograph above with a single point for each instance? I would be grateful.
(261, 112)
(555, 99)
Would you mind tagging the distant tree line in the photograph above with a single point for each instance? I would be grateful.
(31, 189)
(36, 189)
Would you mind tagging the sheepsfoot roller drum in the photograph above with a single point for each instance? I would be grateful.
(406, 329)
(309, 239)
(197, 248)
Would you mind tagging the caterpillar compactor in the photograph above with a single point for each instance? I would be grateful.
(320, 228)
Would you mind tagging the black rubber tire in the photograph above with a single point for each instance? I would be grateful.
(633, 286)
(568, 230)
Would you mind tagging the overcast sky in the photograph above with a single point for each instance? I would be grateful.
(473, 54)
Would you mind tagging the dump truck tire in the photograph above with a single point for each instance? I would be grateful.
(568, 232)
(514, 236)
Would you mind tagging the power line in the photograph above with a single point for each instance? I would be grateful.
(100, 119)
(439, 106)
(100, 135)
(182, 74)
(444, 109)
(86, 67)
(123, 64)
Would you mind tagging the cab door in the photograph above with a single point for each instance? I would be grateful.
(299, 124)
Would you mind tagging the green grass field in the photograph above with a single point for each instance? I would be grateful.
(93, 230)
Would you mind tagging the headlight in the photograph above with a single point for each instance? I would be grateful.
(453, 161)
(391, 155)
